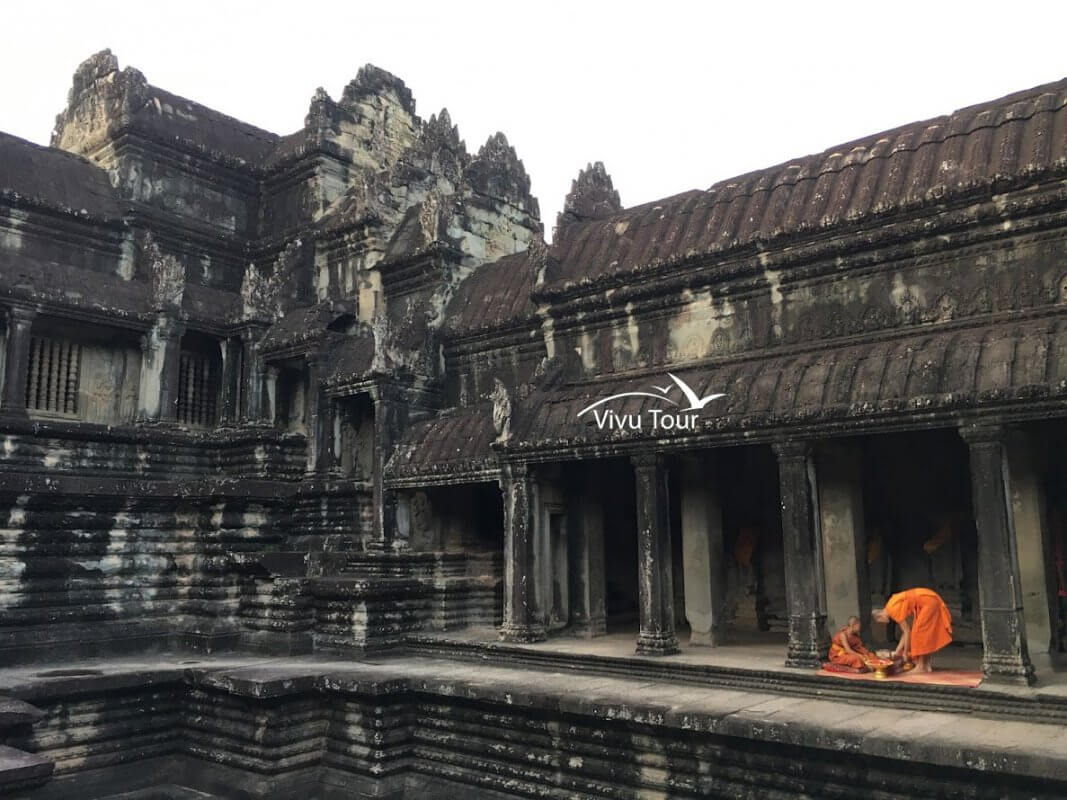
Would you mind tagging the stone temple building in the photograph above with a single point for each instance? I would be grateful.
(323, 474)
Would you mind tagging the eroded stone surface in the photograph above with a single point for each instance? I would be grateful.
(320, 393)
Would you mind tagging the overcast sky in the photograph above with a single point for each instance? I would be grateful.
(671, 96)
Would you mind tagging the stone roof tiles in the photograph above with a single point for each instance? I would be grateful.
(55, 179)
(935, 372)
(1018, 136)
(454, 444)
(495, 295)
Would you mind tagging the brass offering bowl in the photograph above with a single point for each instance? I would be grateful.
(880, 666)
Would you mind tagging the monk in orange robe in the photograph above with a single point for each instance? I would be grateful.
(846, 648)
(925, 623)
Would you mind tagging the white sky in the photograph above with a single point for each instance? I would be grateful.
(671, 96)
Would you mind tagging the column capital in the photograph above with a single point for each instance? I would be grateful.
(792, 448)
(21, 314)
(983, 433)
(645, 461)
(168, 325)
(516, 471)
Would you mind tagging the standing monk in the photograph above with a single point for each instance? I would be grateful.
(925, 623)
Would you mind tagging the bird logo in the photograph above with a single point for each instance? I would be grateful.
(696, 402)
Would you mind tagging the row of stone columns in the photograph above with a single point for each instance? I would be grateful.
(821, 507)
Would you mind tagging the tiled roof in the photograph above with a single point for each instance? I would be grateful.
(494, 295)
(55, 178)
(1019, 136)
(932, 373)
(453, 443)
(303, 324)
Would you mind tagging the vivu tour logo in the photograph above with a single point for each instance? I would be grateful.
(680, 418)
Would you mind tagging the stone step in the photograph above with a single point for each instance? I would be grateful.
(17, 712)
(22, 770)
(163, 792)
(998, 703)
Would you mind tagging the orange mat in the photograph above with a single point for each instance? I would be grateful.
(939, 677)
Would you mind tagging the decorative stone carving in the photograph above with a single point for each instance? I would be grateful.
(268, 297)
(497, 171)
(592, 196)
(439, 149)
(166, 275)
(501, 410)
(257, 295)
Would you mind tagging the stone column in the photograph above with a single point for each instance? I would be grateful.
(702, 553)
(1005, 653)
(844, 540)
(16, 359)
(266, 405)
(654, 564)
(808, 639)
(387, 421)
(327, 436)
(586, 538)
(522, 620)
(160, 360)
(230, 350)
(253, 405)
(1029, 511)
(314, 405)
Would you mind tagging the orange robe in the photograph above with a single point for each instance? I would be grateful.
(931, 628)
(839, 655)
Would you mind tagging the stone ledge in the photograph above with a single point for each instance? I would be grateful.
(17, 712)
(412, 692)
(1003, 701)
(22, 770)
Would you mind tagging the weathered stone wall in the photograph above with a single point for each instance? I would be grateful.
(143, 573)
(335, 735)
(99, 247)
(952, 282)
(68, 450)
(471, 367)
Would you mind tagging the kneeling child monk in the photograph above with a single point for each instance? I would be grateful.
(847, 648)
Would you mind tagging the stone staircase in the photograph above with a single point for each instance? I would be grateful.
(18, 769)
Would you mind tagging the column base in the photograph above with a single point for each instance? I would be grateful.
(523, 634)
(588, 629)
(808, 642)
(1008, 668)
(704, 638)
(657, 644)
